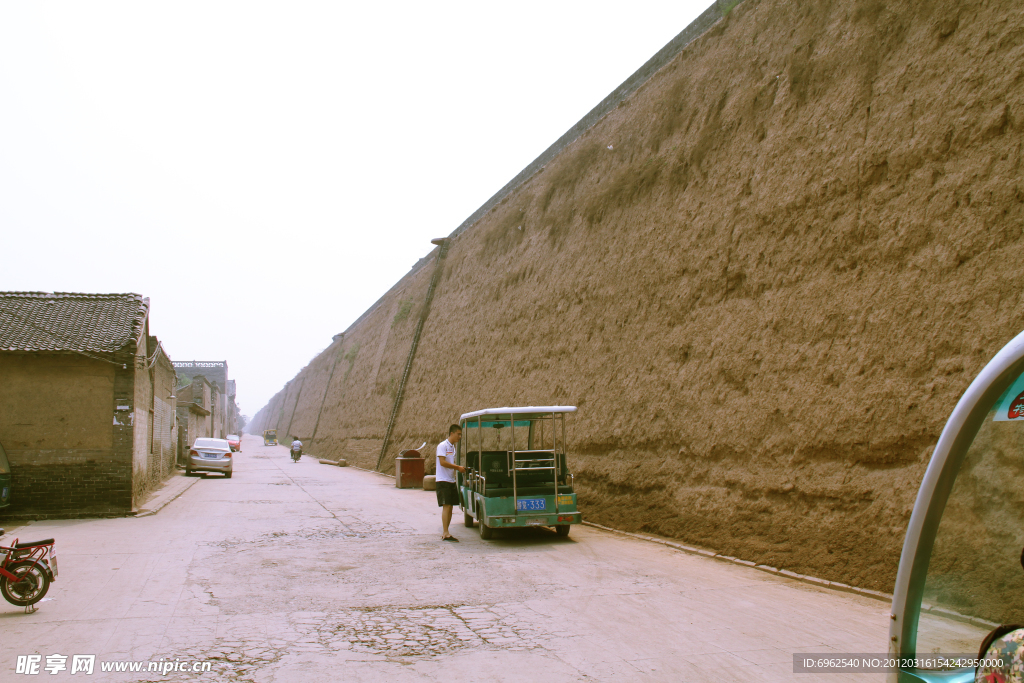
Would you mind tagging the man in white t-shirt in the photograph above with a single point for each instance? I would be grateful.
(447, 491)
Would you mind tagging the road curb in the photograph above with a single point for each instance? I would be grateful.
(176, 486)
(813, 580)
(363, 469)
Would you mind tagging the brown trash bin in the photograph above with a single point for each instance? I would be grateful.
(409, 470)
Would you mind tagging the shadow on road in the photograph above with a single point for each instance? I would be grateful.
(526, 537)
(16, 612)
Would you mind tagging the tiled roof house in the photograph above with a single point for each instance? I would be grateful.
(86, 403)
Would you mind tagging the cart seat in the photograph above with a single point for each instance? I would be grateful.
(495, 464)
(495, 468)
(29, 544)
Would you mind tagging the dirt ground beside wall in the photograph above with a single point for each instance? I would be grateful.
(765, 280)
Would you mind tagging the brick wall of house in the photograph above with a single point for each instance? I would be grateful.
(219, 401)
(202, 395)
(56, 417)
(124, 430)
(161, 446)
(72, 483)
(193, 401)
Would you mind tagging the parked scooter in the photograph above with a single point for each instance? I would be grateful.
(26, 571)
(296, 450)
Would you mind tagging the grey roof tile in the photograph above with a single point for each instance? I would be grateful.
(63, 321)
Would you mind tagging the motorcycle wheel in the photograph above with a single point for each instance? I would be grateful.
(30, 587)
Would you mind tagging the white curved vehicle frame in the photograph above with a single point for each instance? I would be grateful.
(955, 440)
(546, 410)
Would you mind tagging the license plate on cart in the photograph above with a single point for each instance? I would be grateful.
(530, 504)
(536, 521)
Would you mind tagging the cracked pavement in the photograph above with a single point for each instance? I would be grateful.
(307, 572)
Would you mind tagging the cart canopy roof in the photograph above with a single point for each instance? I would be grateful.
(526, 412)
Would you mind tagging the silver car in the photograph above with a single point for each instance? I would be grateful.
(210, 455)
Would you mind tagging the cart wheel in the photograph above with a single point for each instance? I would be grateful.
(468, 520)
(562, 529)
(486, 532)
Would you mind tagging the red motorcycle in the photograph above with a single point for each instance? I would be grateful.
(26, 571)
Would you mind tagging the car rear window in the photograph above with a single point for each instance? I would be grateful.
(210, 443)
(232, 437)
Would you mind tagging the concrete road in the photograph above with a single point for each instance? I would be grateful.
(307, 573)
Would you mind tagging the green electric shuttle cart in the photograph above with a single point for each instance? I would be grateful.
(516, 471)
(960, 573)
(270, 437)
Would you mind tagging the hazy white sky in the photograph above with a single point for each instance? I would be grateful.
(265, 171)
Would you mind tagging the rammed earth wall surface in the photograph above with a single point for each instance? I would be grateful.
(765, 279)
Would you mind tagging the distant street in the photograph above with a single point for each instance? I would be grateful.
(311, 573)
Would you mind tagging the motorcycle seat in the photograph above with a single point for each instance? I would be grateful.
(29, 544)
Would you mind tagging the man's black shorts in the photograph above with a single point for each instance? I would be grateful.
(447, 493)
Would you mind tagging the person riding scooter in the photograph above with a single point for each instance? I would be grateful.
(296, 450)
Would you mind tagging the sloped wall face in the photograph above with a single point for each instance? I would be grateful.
(303, 414)
(349, 390)
(267, 417)
(370, 362)
(765, 280)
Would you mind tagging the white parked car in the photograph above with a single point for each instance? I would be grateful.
(210, 455)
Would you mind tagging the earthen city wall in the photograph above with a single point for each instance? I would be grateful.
(765, 278)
